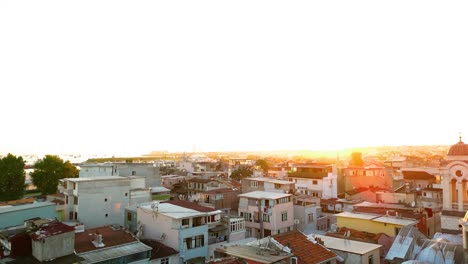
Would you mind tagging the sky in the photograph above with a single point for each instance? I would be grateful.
(130, 77)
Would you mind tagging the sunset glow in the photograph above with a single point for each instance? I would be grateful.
(120, 77)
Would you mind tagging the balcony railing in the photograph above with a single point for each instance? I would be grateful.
(215, 240)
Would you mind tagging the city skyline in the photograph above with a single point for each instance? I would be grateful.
(119, 77)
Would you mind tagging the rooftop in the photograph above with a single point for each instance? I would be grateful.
(347, 245)
(10, 208)
(265, 256)
(159, 249)
(18, 202)
(269, 180)
(198, 180)
(97, 178)
(220, 191)
(395, 220)
(177, 209)
(51, 229)
(264, 195)
(307, 251)
(357, 216)
(110, 238)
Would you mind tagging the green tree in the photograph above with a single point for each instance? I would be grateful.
(356, 159)
(263, 165)
(12, 177)
(242, 172)
(49, 170)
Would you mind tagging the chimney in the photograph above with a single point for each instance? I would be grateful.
(97, 242)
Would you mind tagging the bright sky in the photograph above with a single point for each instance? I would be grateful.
(135, 76)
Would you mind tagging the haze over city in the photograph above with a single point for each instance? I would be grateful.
(121, 77)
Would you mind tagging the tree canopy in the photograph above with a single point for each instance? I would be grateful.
(49, 170)
(242, 172)
(12, 178)
(356, 159)
(263, 165)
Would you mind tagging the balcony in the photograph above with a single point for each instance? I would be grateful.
(215, 240)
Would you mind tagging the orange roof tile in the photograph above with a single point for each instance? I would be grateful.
(304, 249)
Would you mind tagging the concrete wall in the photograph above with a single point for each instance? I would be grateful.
(187, 254)
(90, 171)
(9, 218)
(96, 199)
(147, 170)
(155, 225)
(174, 259)
(367, 225)
(302, 212)
(54, 247)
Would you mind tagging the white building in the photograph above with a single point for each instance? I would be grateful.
(315, 180)
(187, 227)
(100, 200)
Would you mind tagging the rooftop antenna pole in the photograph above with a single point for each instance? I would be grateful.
(460, 136)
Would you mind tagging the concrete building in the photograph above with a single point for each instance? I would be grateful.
(308, 214)
(15, 215)
(220, 199)
(53, 240)
(319, 180)
(365, 177)
(266, 213)
(267, 185)
(110, 244)
(195, 186)
(389, 225)
(352, 252)
(185, 226)
(99, 201)
(149, 171)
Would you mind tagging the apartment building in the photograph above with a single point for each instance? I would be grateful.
(266, 213)
(267, 185)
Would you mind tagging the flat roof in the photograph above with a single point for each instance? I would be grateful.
(264, 195)
(270, 180)
(347, 245)
(357, 216)
(12, 208)
(395, 220)
(175, 211)
(111, 238)
(159, 189)
(114, 252)
(252, 253)
(97, 178)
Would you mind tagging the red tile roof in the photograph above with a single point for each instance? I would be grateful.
(110, 238)
(18, 202)
(191, 205)
(418, 175)
(159, 250)
(219, 191)
(51, 229)
(304, 249)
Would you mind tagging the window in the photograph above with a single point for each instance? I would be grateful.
(310, 217)
(126, 194)
(194, 242)
(165, 261)
(284, 216)
(283, 200)
(133, 173)
(66, 199)
(248, 232)
(424, 194)
(75, 200)
(237, 225)
(247, 217)
(254, 184)
(266, 218)
(74, 186)
(397, 230)
(76, 215)
(185, 222)
(129, 217)
(294, 260)
(371, 259)
(105, 199)
(107, 215)
(277, 186)
(314, 182)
